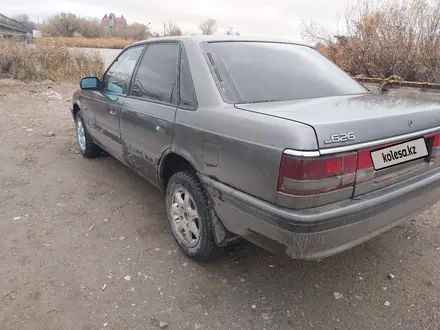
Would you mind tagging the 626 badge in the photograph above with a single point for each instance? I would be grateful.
(342, 137)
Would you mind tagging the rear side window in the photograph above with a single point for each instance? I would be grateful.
(268, 71)
(156, 76)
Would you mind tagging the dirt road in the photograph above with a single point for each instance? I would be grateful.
(85, 245)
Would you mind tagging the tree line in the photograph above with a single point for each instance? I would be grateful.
(70, 25)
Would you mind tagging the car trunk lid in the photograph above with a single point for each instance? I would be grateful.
(355, 119)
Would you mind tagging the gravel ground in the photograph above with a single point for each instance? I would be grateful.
(85, 245)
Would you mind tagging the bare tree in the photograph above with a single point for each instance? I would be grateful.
(90, 28)
(138, 31)
(208, 27)
(230, 31)
(172, 29)
(134, 31)
(62, 24)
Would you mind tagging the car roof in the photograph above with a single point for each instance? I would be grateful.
(215, 38)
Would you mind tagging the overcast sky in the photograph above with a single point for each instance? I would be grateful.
(278, 18)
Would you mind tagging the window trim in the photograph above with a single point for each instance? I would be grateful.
(205, 47)
(183, 57)
(136, 69)
(101, 89)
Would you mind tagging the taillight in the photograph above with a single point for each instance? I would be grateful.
(305, 176)
(365, 169)
(435, 152)
(434, 140)
(311, 176)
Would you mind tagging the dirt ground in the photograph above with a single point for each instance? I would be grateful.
(85, 245)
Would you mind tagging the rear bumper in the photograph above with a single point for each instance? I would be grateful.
(321, 232)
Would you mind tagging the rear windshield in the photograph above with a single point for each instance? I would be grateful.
(262, 71)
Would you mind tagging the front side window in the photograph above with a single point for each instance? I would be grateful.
(269, 71)
(117, 79)
(156, 76)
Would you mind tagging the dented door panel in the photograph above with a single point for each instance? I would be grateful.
(146, 131)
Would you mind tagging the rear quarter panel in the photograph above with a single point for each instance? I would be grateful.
(239, 148)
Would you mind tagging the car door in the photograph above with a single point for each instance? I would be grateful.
(147, 116)
(107, 102)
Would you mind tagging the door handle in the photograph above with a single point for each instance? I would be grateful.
(162, 126)
(161, 129)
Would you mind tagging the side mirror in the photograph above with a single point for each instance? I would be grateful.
(90, 83)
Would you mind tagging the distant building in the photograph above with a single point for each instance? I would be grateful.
(113, 21)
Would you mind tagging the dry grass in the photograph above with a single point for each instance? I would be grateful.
(26, 62)
(113, 43)
(385, 39)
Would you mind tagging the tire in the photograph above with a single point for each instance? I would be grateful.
(87, 147)
(187, 184)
